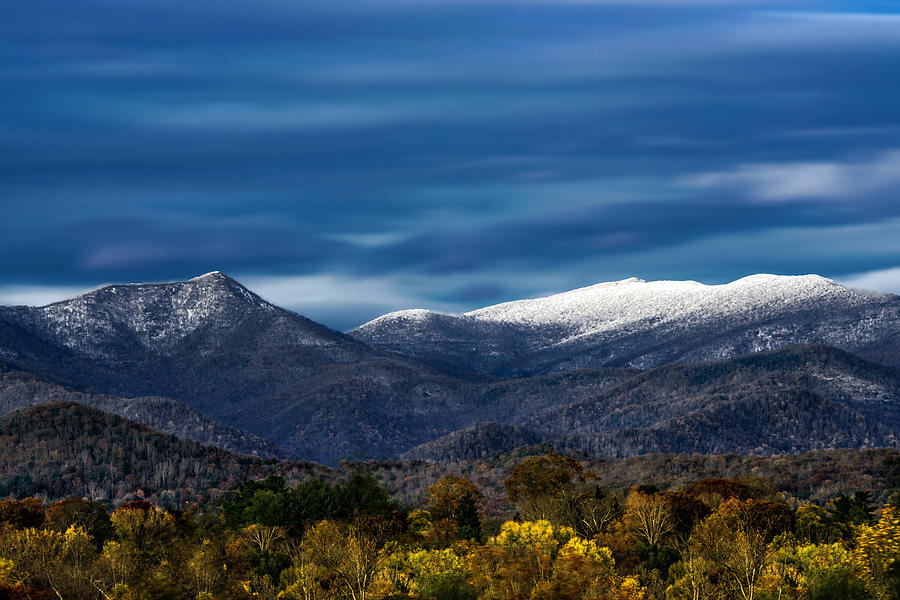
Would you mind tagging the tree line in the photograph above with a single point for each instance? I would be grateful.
(564, 537)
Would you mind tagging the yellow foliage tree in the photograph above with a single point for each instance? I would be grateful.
(56, 561)
(536, 560)
(793, 569)
(878, 547)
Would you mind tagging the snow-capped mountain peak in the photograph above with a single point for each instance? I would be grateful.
(642, 323)
(157, 315)
(210, 275)
(631, 301)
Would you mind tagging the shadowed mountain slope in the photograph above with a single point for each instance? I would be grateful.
(214, 345)
(791, 400)
(19, 389)
(233, 358)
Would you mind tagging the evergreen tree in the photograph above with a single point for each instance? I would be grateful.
(467, 519)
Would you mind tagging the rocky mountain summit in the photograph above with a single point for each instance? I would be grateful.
(220, 349)
(157, 318)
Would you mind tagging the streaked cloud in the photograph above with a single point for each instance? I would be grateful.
(881, 280)
(363, 156)
(345, 301)
(808, 180)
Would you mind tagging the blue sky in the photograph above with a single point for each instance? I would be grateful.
(346, 159)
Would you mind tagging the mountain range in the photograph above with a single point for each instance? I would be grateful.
(766, 364)
(646, 324)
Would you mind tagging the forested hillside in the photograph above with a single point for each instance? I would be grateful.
(789, 400)
(19, 389)
(62, 449)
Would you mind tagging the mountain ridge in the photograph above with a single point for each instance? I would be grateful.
(243, 362)
(327, 396)
(644, 324)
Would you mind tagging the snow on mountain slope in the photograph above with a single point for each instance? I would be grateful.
(642, 324)
(633, 303)
(157, 317)
(215, 346)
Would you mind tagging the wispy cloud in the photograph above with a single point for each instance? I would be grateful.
(383, 154)
(808, 180)
(882, 280)
(344, 301)
(817, 28)
(221, 116)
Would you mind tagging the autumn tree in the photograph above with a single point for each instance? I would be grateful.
(58, 562)
(350, 553)
(519, 559)
(90, 516)
(714, 491)
(458, 500)
(22, 513)
(537, 560)
(447, 492)
(660, 521)
(740, 539)
(813, 524)
(433, 573)
(143, 526)
(207, 569)
(877, 552)
(690, 576)
(542, 476)
(264, 552)
(648, 516)
(556, 488)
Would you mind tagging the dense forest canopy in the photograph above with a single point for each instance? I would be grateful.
(568, 538)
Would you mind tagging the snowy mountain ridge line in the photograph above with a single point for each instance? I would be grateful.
(644, 324)
(611, 305)
(612, 323)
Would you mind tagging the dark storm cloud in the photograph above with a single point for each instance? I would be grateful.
(444, 153)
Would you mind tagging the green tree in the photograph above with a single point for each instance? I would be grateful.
(858, 509)
(838, 585)
(467, 518)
